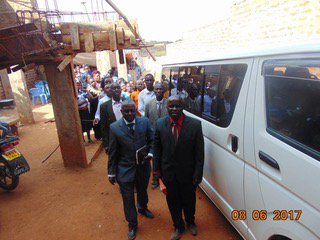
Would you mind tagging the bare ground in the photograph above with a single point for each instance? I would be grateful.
(53, 202)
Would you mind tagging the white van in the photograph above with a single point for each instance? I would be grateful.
(260, 115)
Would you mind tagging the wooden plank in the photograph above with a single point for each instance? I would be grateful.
(93, 26)
(66, 115)
(64, 63)
(17, 68)
(112, 36)
(121, 56)
(88, 42)
(133, 40)
(120, 36)
(75, 42)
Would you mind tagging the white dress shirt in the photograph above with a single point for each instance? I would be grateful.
(116, 107)
(145, 96)
(102, 100)
(182, 94)
(134, 128)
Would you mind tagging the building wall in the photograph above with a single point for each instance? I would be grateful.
(8, 18)
(9, 7)
(253, 24)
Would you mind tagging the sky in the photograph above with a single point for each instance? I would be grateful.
(160, 20)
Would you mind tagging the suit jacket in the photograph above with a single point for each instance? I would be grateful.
(106, 118)
(123, 146)
(185, 159)
(151, 111)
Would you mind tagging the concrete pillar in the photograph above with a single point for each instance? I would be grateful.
(103, 61)
(21, 96)
(6, 84)
(122, 68)
(66, 114)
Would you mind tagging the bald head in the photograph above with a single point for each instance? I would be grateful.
(175, 107)
(128, 110)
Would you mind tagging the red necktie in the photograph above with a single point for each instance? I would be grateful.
(175, 133)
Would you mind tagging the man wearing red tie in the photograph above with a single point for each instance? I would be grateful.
(178, 159)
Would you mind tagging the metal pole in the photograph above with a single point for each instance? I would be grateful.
(125, 19)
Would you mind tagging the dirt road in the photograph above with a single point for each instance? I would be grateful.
(53, 202)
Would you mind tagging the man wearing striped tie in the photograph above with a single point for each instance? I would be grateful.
(178, 160)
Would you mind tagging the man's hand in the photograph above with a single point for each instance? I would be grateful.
(95, 121)
(147, 158)
(112, 180)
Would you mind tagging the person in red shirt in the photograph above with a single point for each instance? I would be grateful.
(178, 160)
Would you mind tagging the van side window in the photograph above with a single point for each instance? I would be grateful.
(210, 92)
(191, 82)
(293, 97)
(222, 88)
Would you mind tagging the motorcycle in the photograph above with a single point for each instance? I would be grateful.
(12, 163)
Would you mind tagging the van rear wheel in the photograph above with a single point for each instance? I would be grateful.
(8, 181)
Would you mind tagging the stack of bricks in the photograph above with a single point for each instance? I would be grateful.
(253, 24)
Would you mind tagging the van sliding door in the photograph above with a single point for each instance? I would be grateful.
(287, 144)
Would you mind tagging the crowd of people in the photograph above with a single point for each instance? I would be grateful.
(140, 124)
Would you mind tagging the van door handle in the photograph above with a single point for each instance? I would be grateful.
(269, 160)
(234, 143)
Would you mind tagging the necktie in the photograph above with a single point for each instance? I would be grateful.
(175, 133)
(130, 126)
(159, 109)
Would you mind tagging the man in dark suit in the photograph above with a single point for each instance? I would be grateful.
(127, 136)
(155, 109)
(179, 158)
(110, 111)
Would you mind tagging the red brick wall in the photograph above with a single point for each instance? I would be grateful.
(31, 76)
(2, 94)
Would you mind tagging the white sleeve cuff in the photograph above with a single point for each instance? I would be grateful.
(150, 154)
(111, 175)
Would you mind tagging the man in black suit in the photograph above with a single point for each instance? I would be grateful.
(127, 136)
(178, 159)
(110, 111)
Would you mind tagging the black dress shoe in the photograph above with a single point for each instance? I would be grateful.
(176, 234)
(155, 183)
(146, 212)
(193, 229)
(132, 233)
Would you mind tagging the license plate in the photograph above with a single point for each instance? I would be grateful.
(11, 154)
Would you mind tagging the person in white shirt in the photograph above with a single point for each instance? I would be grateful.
(181, 89)
(107, 96)
(147, 94)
